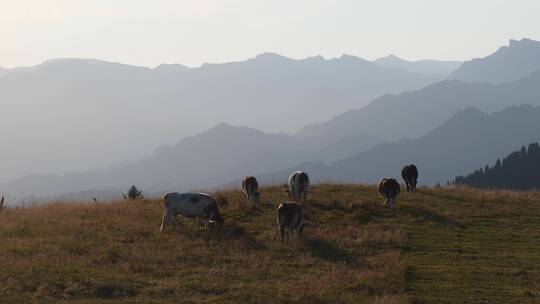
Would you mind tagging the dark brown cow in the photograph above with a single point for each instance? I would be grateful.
(389, 189)
(410, 176)
(250, 186)
(290, 219)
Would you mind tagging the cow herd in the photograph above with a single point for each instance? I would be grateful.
(290, 214)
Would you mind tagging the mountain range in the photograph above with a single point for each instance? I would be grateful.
(204, 160)
(415, 113)
(419, 66)
(84, 114)
(446, 128)
(467, 140)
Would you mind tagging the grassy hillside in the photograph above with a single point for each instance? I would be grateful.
(440, 246)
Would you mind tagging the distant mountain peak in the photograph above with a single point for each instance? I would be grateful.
(268, 56)
(509, 63)
(348, 57)
(171, 67)
(390, 57)
(523, 42)
(223, 125)
(419, 66)
(316, 58)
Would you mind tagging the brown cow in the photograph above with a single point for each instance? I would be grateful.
(389, 189)
(250, 187)
(290, 219)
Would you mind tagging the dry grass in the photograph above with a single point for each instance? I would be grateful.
(441, 245)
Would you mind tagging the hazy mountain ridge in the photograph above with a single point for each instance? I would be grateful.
(419, 66)
(465, 142)
(207, 159)
(113, 113)
(224, 152)
(509, 63)
(415, 113)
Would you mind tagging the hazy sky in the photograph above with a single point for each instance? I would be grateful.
(148, 33)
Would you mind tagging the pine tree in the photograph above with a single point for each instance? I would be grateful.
(133, 193)
(519, 170)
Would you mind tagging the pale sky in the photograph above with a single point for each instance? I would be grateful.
(147, 33)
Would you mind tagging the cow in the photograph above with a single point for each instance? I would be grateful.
(290, 218)
(2, 203)
(410, 176)
(298, 186)
(250, 187)
(389, 189)
(190, 205)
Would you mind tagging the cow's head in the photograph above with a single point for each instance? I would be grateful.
(219, 220)
(216, 218)
(287, 190)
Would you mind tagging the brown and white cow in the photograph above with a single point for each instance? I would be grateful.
(250, 187)
(389, 189)
(190, 205)
(290, 219)
(298, 186)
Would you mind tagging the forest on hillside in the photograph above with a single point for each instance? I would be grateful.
(519, 170)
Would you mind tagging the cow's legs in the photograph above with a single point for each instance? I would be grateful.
(282, 234)
(393, 203)
(163, 223)
(166, 220)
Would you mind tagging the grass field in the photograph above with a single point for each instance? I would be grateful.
(439, 246)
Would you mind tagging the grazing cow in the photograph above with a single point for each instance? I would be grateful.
(250, 186)
(2, 203)
(190, 205)
(410, 176)
(389, 189)
(298, 186)
(290, 219)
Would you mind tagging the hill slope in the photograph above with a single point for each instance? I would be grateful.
(509, 63)
(441, 245)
